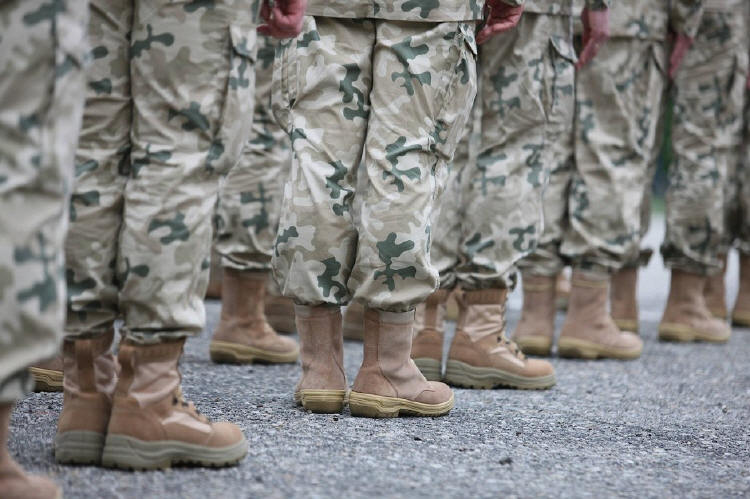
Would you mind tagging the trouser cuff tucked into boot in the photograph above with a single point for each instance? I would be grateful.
(389, 383)
(322, 387)
(427, 346)
(90, 378)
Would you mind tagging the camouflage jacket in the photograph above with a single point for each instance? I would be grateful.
(403, 10)
(652, 19)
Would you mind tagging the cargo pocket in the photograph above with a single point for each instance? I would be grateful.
(453, 104)
(239, 99)
(564, 58)
(284, 90)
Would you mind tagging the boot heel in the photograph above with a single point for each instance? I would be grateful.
(372, 406)
(430, 368)
(534, 345)
(321, 401)
(79, 447)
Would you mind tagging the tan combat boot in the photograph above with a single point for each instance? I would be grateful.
(354, 320)
(623, 299)
(536, 328)
(90, 378)
(389, 384)
(741, 313)
(429, 325)
(322, 387)
(589, 331)
(451, 307)
(280, 313)
(48, 375)
(243, 335)
(562, 291)
(14, 482)
(715, 292)
(213, 291)
(482, 357)
(686, 316)
(152, 426)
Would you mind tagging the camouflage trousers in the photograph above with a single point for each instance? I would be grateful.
(247, 215)
(737, 194)
(395, 95)
(41, 99)
(491, 214)
(168, 110)
(592, 205)
(708, 100)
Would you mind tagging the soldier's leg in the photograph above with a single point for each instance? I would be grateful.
(192, 79)
(618, 99)
(41, 96)
(246, 220)
(741, 311)
(421, 97)
(707, 119)
(535, 330)
(321, 92)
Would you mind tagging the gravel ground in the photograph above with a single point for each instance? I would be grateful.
(674, 422)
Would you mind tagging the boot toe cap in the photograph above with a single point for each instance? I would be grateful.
(225, 434)
(435, 393)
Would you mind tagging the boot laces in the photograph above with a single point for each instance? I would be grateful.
(178, 399)
(507, 342)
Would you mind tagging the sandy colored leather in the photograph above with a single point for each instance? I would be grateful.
(741, 312)
(89, 384)
(623, 298)
(588, 318)
(215, 277)
(148, 403)
(686, 308)
(354, 317)
(14, 482)
(279, 312)
(429, 327)
(243, 320)
(538, 310)
(321, 348)
(715, 292)
(480, 339)
(562, 291)
(387, 369)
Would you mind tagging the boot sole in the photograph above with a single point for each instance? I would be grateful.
(535, 345)
(282, 323)
(681, 333)
(46, 380)
(630, 325)
(321, 401)
(79, 447)
(461, 374)
(581, 349)
(233, 353)
(431, 368)
(123, 452)
(375, 406)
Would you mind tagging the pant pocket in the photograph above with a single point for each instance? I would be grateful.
(285, 77)
(237, 112)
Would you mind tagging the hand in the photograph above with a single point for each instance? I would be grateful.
(283, 17)
(501, 17)
(681, 45)
(595, 34)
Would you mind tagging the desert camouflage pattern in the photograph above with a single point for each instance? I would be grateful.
(168, 109)
(564, 7)
(492, 213)
(649, 19)
(709, 97)
(42, 53)
(592, 204)
(395, 95)
(402, 10)
(247, 216)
